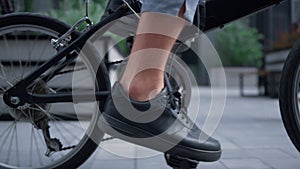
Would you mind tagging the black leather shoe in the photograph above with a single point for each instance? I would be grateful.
(156, 124)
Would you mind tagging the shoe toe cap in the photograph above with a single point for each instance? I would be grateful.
(203, 144)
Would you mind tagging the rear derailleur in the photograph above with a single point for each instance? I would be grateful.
(53, 144)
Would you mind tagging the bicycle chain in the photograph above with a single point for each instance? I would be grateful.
(67, 148)
(115, 62)
(107, 139)
(79, 69)
(71, 147)
(71, 70)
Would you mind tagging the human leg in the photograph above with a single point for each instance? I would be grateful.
(144, 74)
(149, 117)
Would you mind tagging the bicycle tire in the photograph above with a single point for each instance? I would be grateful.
(86, 145)
(289, 95)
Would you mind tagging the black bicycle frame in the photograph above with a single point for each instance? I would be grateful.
(216, 13)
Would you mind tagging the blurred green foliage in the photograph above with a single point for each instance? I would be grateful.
(71, 11)
(239, 44)
(28, 5)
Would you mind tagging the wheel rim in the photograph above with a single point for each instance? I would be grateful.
(22, 145)
(296, 98)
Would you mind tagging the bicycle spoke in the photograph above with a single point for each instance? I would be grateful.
(60, 132)
(31, 147)
(7, 47)
(2, 89)
(33, 87)
(5, 42)
(12, 60)
(39, 154)
(44, 50)
(21, 67)
(59, 89)
(77, 127)
(10, 143)
(10, 84)
(37, 59)
(17, 146)
(6, 130)
(58, 116)
(55, 125)
(32, 51)
(19, 56)
(4, 77)
(3, 71)
(52, 90)
(27, 116)
(3, 110)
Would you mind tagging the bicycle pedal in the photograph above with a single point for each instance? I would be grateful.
(178, 162)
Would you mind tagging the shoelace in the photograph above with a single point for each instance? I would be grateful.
(175, 101)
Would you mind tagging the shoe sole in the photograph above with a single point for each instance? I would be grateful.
(136, 133)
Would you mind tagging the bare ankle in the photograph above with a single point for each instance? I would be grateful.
(143, 93)
(145, 86)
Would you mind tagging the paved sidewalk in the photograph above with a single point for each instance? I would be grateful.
(251, 133)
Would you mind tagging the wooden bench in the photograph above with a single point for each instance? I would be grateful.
(261, 74)
(274, 62)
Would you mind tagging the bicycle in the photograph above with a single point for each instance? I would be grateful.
(32, 100)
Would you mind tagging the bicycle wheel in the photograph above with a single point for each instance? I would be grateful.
(289, 95)
(25, 45)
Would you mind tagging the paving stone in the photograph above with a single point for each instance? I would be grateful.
(291, 163)
(291, 150)
(268, 153)
(157, 162)
(249, 163)
(213, 165)
(113, 164)
(235, 154)
(227, 144)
